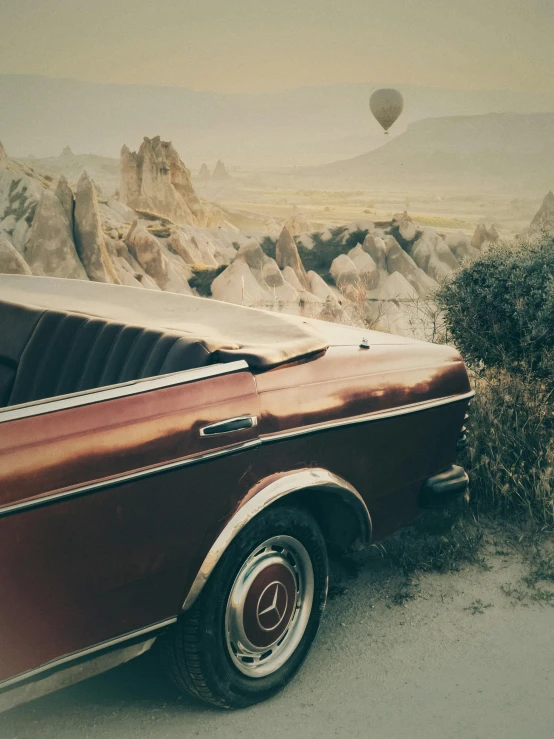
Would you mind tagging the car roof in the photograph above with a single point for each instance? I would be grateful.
(263, 338)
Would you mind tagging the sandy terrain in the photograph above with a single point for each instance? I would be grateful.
(445, 211)
(461, 660)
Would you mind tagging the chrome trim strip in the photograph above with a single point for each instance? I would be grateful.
(122, 479)
(84, 652)
(367, 418)
(212, 430)
(72, 673)
(290, 483)
(134, 387)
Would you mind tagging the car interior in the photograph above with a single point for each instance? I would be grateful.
(46, 353)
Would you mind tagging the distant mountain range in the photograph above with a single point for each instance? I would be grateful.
(41, 115)
(501, 150)
(103, 170)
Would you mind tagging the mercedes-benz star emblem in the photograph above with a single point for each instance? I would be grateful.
(272, 606)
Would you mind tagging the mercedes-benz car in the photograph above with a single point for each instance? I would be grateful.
(175, 470)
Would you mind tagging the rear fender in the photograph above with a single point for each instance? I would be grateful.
(300, 481)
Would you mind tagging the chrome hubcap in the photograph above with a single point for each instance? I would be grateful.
(269, 606)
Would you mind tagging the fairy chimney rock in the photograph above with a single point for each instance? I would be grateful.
(544, 218)
(220, 172)
(156, 179)
(286, 255)
(203, 176)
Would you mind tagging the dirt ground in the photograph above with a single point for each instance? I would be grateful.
(445, 212)
(457, 658)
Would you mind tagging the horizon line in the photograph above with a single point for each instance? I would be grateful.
(279, 91)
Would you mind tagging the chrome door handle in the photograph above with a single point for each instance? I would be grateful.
(231, 424)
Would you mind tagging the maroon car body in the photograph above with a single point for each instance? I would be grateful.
(117, 502)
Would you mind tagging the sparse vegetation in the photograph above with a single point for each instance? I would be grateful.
(511, 452)
(439, 541)
(202, 278)
(499, 311)
(269, 246)
(537, 585)
(443, 222)
(320, 258)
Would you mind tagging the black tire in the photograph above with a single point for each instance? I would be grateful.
(198, 653)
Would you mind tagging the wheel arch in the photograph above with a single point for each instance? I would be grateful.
(337, 506)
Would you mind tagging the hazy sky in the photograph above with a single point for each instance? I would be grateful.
(258, 45)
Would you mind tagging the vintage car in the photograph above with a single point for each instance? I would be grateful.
(175, 470)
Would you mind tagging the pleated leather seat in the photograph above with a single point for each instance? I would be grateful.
(45, 353)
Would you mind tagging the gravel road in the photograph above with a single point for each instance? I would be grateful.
(460, 660)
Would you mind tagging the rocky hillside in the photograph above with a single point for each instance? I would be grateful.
(48, 229)
(512, 150)
(382, 275)
(105, 171)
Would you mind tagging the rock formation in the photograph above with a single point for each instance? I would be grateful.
(344, 273)
(253, 278)
(493, 234)
(146, 250)
(399, 262)
(306, 241)
(381, 282)
(51, 249)
(11, 261)
(483, 235)
(297, 223)
(460, 245)
(365, 266)
(75, 236)
(544, 217)
(375, 247)
(405, 229)
(3, 157)
(319, 287)
(433, 256)
(203, 176)
(64, 193)
(220, 173)
(155, 179)
(20, 192)
(397, 288)
(89, 237)
(286, 255)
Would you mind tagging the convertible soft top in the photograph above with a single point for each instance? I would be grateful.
(228, 332)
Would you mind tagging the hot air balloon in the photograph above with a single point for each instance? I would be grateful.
(386, 105)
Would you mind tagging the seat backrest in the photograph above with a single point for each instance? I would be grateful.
(45, 353)
(17, 324)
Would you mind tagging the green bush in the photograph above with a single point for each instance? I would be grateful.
(269, 246)
(320, 258)
(202, 278)
(499, 311)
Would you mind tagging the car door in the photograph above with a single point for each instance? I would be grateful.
(105, 499)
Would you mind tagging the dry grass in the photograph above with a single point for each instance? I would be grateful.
(510, 457)
(439, 541)
(443, 222)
